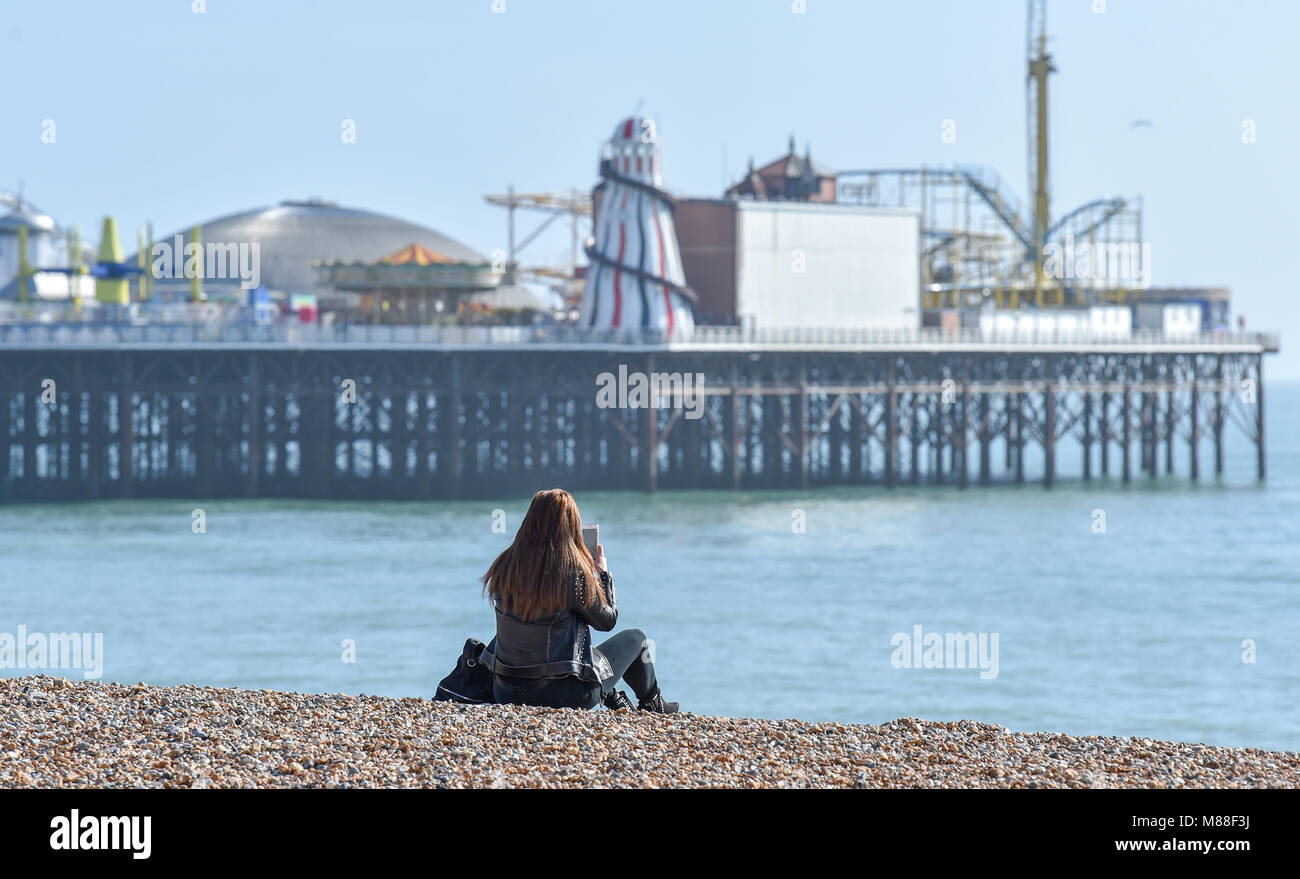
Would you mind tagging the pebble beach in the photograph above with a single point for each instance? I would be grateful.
(57, 733)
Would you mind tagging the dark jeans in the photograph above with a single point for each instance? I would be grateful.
(629, 657)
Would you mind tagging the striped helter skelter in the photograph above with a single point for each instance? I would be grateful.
(636, 281)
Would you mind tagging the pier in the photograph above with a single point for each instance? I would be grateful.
(375, 412)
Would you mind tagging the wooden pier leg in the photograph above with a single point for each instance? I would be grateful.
(6, 485)
(1259, 417)
(401, 449)
(914, 433)
(985, 439)
(891, 430)
(963, 474)
(938, 419)
(175, 416)
(316, 437)
(1218, 417)
(1127, 415)
(804, 428)
(1020, 439)
(837, 470)
(856, 469)
(126, 428)
(773, 421)
(31, 487)
(1103, 430)
(1087, 436)
(74, 429)
(282, 442)
(255, 435)
(1049, 436)
(1194, 441)
(650, 447)
(734, 437)
(516, 473)
(351, 411)
(1144, 416)
(95, 441)
(1169, 431)
(1009, 428)
(455, 455)
(650, 439)
(423, 475)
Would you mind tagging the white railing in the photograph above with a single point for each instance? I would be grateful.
(97, 334)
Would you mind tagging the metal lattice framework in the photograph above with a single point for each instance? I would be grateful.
(440, 423)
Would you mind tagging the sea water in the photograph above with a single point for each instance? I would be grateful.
(1163, 608)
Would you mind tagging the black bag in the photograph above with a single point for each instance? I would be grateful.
(470, 681)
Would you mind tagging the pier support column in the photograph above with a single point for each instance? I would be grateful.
(650, 440)
(455, 455)
(254, 415)
(1144, 433)
(891, 430)
(1049, 436)
(1087, 436)
(1169, 429)
(1259, 417)
(963, 474)
(1008, 427)
(5, 483)
(938, 419)
(985, 439)
(801, 416)
(423, 480)
(1218, 417)
(734, 438)
(1194, 443)
(1020, 438)
(74, 425)
(95, 428)
(1127, 414)
(30, 489)
(125, 428)
(318, 418)
(855, 439)
(914, 438)
(1103, 430)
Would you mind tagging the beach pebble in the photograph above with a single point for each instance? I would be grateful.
(57, 733)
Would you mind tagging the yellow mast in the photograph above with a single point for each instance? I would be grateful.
(1040, 66)
(24, 270)
(196, 282)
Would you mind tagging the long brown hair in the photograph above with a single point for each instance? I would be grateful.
(530, 578)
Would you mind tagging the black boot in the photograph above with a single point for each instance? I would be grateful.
(655, 703)
(617, 700)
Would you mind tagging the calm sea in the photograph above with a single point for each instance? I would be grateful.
(1135, 631)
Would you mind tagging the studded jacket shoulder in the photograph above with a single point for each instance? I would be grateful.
(602, 618)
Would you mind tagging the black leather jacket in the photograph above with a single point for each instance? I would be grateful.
(557, 646)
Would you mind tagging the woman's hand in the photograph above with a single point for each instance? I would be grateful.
(600, 558)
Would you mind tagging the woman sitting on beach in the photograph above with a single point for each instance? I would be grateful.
(547, 590)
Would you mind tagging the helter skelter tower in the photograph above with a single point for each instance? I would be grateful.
(636, 282)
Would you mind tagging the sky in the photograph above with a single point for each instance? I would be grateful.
(173, 116)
